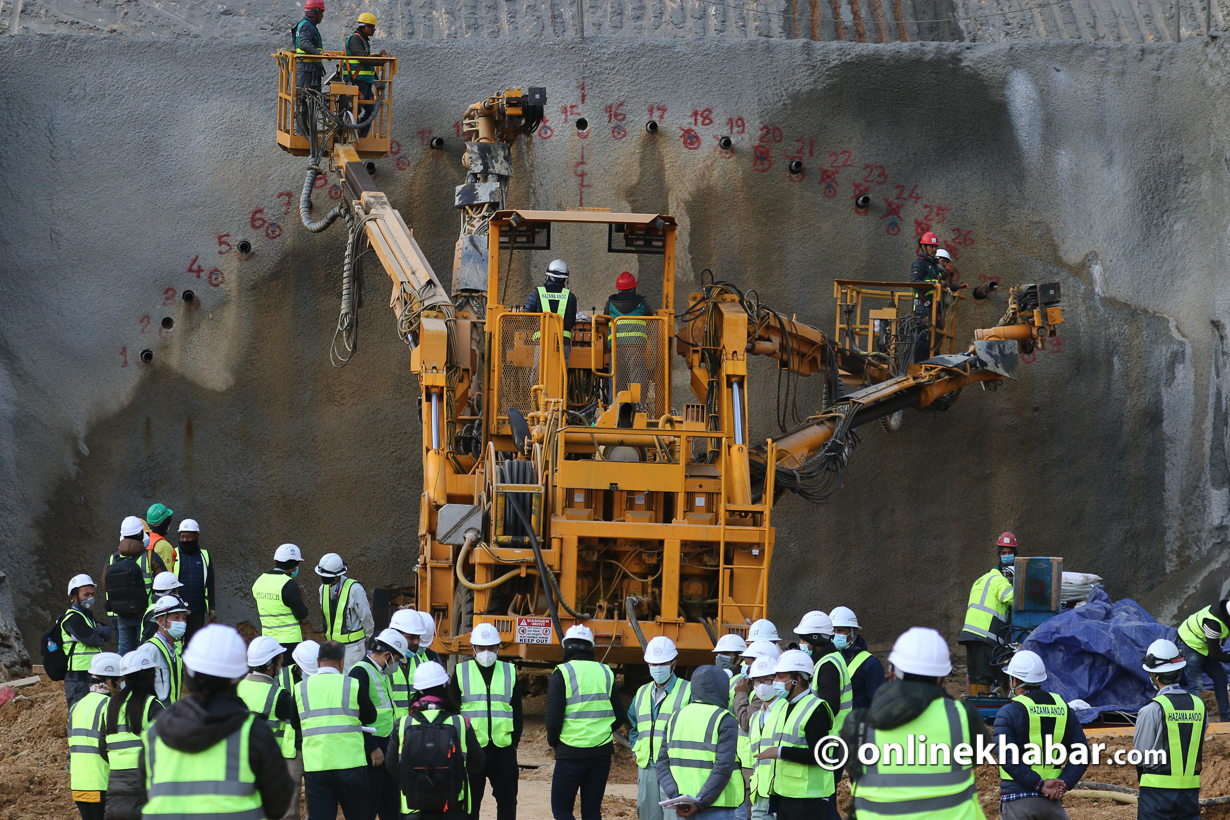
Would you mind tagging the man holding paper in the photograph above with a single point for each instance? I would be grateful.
(701, 753)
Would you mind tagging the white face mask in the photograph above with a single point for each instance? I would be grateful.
(764, 691)
(485, 658)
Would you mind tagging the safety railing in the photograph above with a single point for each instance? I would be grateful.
(528, 352)
(870, 315)
(640, 354)
(344, 105)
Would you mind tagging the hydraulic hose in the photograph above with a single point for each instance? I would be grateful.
(471, 537)
(363, 123)
(630, 607)
(305, 205)
(546, 573)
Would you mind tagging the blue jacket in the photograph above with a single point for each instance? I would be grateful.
(868, 678)
(1012, 723)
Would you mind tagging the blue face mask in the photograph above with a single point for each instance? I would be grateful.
(1006, 560)
(295, 574)
(176, 629)
(841, 641)
(780, 689)
(806, 647)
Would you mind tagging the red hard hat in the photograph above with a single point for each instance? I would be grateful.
(1007, 540)
(314, 5)
(626, 281)
(926, 239)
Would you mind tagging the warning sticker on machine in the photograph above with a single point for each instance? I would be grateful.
(533, 630)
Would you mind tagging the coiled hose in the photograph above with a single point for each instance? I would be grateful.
(305, 205)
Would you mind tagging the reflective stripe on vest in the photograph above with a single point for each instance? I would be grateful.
(978, 616)
(630, 330)
(458, 723)
(1184, 716)
(262, 699)
(846, 700)
(891, 788)
(304, 57)
(691, 752)
(216, 783)
(78, 654)
(335, 613)
(789, 729)
(745, 741)
(489, 710)
(176, 665)
(1191, 631)
(356, 71)
(760, 734)
(277, 621)
(558, 304)
(859, 659)
(380, 690)
(124, 746)
(588, 715)
(651, 729)
(88, 772)
(1048, 720)
(329, 720)
(403, 678)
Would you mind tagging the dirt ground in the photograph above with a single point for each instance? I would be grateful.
(34, 778)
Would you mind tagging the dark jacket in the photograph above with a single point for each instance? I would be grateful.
(827, 684)
(129, 548)
(85, 628)
(625, 303)
(306, 36)
(198, 589)
(709, 685)
(126, 787)
(817, 727)
(557, 700)
(476, 758)
(454, 688)
(868, 678)
(532, 305)
(1012, 724)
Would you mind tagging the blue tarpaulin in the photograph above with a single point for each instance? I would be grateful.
(1094, 652)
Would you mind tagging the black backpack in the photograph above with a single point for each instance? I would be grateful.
(431, 770)
(125, 582)
(55, 661)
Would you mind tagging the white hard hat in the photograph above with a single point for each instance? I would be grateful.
(138, 660)
(921, 650)
(558, 269)
(763, 630)
(763, 666)
(408, 621)
(942, 254)
(428, 675)
(795, 660)
(660, 650)
(429, 623)
(166, 581)
(217, 650)
(79, 581)
(262, 650)
(169, 604)
(131, 526)
(762, 649)
(394, 640)
(106, 665)
(1163, 656)
(189, 525)
(843, 616)
(331, 565)
(287, 552)
(579, 632)
(485, 635)
(305, 655)
(814, 623)
(1027, 667)
(730, 643)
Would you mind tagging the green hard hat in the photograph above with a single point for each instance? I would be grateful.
(158, 513)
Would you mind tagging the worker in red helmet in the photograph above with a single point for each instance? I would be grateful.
(927, 269)
(309, 68)
(625, 301)
(989, 611)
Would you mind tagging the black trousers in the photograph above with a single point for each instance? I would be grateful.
(76, 686)
(504, 775)
(978, 662)
(307, 75)
(1168, 804)
(587, 775)
(367, 91)
(807, 808)
(339, 787)
(382, 794)
(93, 811)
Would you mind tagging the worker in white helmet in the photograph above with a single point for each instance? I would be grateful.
(1173, 724)
(129, 716)
(914, 703)
(87, 762)
(374, 675)
(165, 583)
(727, 655)
(1035, 792)
(490, 698)
(831, 679)
(81, 638)
(196, 571)
(803, 788)
(866, 671)
(743, 699)
(208, 755)
(170, 615)
(553, 296)
(584, 707)
(347, 614)
(416, 628)
(654, 703)
(763, 701)
(275, 704)
(763, 630)
(279, 599)
(127, 581)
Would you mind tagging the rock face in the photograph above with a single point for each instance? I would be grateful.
(14, 660)
(133, 168)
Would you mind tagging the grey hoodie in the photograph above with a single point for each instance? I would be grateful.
(709, 685)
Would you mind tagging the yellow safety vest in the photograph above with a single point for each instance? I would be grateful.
(588, 716)
(329, 720)
(175, 662)
(78, 654)
(760, 734)
(88, 772)
(262, 699)
(554, 303)
(990, 598)
(335, 614)
(846, 703)
(1191, 631)
(789, 729)
(857, 661)
(357, 71)
(124, 745)
(488, 708)
(403, 681)
(1184, 715)
(304, 57)
(650, 727)
(1048, 719)
(277, 621)
(691, 752)
(217, 783)
(380, 690)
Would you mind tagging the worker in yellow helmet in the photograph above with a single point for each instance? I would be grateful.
(359, 73)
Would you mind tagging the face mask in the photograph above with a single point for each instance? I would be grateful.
(295, 574)
(745, 667)
(485, 659)
(88, 603)
(841, 641)
(806, 647)
(780, 689)
(660, 674)
(722, 662)
(765, 692)
(123, 685)
(176, 629)
(1007, 560)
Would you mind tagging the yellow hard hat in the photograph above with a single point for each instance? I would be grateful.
(367, 19)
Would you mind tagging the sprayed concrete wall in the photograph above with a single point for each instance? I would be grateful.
(133, 167)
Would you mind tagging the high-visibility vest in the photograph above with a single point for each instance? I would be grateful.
(429, 715)
(170, 563)
(316, 42)
(403, 681)
(78, 654)
(760, 732)
(894, 790)
(175, 662)
(335, 614)
(262, 699)
(745, 740)
(88, 772)
(554, 303)
(651, 728)
(588, 715)
(691, 752)
(489, 708)
(846, 702)
(1184, 716)
(209, 604)
(1048, 718)
(277, 621)
(329, 720)
(857, 661)
(1191, 631)
(216, 783)
(789, 729)
(356, 71)
(124, 744)
(989, 598)
(630, 330)
(380, 690)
